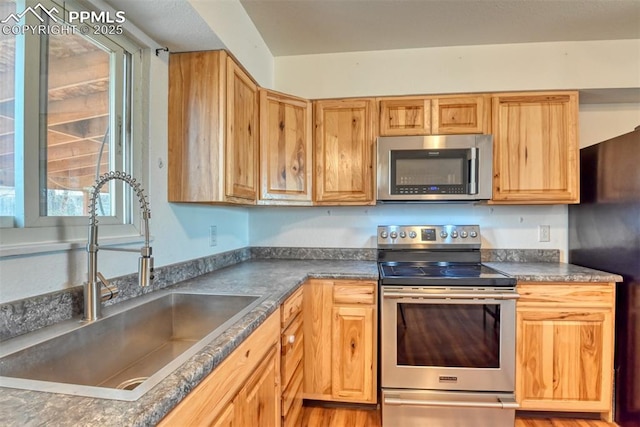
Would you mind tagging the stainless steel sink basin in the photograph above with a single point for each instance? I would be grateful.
(124, 354)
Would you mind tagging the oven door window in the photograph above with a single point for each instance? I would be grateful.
(430, 171)
(448, 335)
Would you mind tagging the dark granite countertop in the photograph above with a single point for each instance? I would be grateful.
(552, 272)
(275, 278)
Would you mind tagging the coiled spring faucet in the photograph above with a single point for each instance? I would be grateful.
(93, 292)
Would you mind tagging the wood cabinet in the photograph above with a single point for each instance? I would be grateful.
(243, 390)
(258, 403)
(212, 130)
(407, 115)
(285, 149)
(564, 350)
(241, 162)
(340, 349)
(535, 147)
(292, 347)
(428, 115)
(461, 114)
(344, 141)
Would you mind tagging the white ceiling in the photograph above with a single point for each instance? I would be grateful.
(297, 27)
(170, 23)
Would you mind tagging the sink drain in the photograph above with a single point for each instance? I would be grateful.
(132, 383)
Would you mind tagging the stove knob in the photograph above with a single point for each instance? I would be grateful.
(403, 234)
(463, 234)
(444, 234)
(454, 234)
(393, 235)
(473, 234)
(412, 234)
(384, 234)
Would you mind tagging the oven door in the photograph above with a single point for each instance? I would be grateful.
(455, 338)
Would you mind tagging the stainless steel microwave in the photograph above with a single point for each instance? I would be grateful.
(435, 168)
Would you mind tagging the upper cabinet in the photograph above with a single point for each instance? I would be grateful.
(536, 151)
(461, 114)
(344, 141)
(428, 115)
(241, 162)
(233, 142)
(212, 130)
(408, 115)
(285, 149)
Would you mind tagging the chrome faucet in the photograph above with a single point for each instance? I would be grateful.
(93, 292)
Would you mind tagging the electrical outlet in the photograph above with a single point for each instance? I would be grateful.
(544, 233)
(213, 235)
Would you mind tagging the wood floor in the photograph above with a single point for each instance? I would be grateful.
(319, 416)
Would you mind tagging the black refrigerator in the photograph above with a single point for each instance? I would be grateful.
(604, 233)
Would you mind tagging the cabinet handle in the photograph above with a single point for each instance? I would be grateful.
(291, 339)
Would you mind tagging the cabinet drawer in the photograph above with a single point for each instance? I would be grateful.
(291, 307)
(567, 294)
(292, 349)
(292, 393)
(354, 292)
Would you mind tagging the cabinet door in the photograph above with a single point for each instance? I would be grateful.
(405, 116)
(227, 417)
(460, 114)
(285, 149)
(564, 359)
(344, 151)
(243, 372)
(316, 326)
(196, 126)
(258, 403)
(241, 144)
(535, 148)
(353, 369)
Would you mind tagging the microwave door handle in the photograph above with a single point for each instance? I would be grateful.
(473, 171)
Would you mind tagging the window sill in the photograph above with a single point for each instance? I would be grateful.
(48, 247)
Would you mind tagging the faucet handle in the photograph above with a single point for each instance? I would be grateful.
(108, 291)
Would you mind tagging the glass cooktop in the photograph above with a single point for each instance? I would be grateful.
(412, 273)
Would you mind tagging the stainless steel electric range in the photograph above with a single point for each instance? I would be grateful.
(447, 330)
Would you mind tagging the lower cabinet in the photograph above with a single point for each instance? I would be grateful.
(565, 342)
(291, 368)
(340, 347)
(243, 391)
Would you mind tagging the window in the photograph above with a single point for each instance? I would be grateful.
(66, 103)
(7, 115)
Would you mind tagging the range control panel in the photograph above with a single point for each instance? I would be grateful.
(438, 236)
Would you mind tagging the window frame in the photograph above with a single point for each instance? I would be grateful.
(27, 230)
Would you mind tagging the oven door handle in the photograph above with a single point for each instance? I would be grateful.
(500, 403)
(452, 295)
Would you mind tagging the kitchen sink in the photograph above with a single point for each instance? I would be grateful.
(125, 353)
